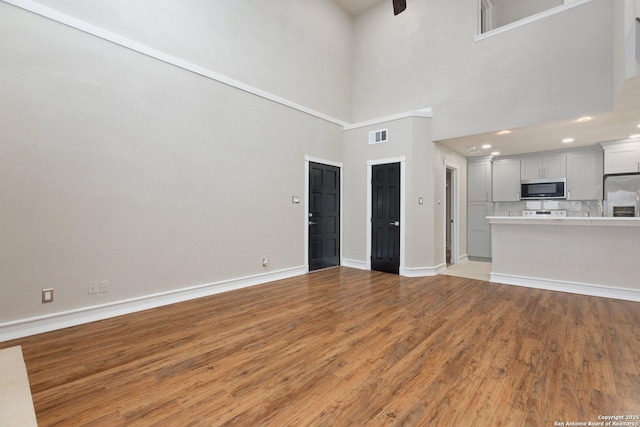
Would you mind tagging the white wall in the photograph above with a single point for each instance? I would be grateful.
(632, 38)
(508, 11)
(299, 50)
(120, 167)
(554, 68)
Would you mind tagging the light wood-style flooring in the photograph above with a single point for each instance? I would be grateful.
(344, 347)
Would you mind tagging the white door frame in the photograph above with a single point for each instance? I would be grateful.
(455, 211)
(307, 160)
(370, 163)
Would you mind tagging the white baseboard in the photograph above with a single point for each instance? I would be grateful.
(570, 287)
(423, 271)
(351, 263)
(406, 271)
(37, 325)
(463, 258)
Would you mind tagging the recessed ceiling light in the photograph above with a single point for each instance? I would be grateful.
(584, 119)
(473, 149)
(504, 132)
(637, 135)
(639, 126)
(495, 153)
(568, 140)
(486, 146)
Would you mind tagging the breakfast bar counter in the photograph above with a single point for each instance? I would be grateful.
(588, 255)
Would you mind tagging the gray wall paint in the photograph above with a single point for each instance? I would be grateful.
(559, 67)
(119, 167)
(299, 50)
(424, 172)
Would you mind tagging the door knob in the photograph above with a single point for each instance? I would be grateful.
(313, 223)
(397, 223)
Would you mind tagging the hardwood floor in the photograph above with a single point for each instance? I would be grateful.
(344, 347)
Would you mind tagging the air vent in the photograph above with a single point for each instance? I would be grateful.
(378, 136)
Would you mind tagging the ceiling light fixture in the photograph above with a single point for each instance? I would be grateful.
(568, 140)
(584, 119)
(486, 146)
(636, 135)
(495, 153)
(504, 132)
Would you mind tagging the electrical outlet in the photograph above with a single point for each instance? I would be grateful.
(265, 262)
(92, 288)
(104, 287)
(47, 295)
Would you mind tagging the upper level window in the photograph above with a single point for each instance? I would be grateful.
(495, 14)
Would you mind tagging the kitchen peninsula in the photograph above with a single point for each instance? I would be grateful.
(587, 255)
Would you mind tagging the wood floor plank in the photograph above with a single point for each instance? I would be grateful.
(344, 347)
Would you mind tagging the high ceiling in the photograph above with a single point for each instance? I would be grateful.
(356, 7)
(620, 123)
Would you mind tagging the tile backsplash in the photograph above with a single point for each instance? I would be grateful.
(573, 208)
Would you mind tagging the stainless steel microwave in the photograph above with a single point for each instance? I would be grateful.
(543, 189)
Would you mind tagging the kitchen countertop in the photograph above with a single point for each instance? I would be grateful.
(570, 220)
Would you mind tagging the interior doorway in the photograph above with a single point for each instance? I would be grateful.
(385, 218)
(448, 217)
(451, 216)
(323, 216)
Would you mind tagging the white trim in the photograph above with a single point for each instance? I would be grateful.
(486, 21)
(305, 213)
(370, 163)
(570, 287)
(340, 165)
(352, 263)
(425, 112)
(425, 271)
(37, 325)
(125, 42)
(94, 30)
(530, 19)
(323, 161)
(463, 258)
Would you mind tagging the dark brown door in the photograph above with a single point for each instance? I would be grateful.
(324, 216)
(385, 218)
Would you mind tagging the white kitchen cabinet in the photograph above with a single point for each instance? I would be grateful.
(479, 229)
(479, 181)
(623, 158)
(549, 166)
(584, 175)
(506, 180)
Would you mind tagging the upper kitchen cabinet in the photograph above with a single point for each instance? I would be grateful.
(539, 167)
(584, 175)
(506, 180)
(621, 157)
(479, 181)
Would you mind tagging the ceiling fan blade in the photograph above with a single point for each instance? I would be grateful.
(399, 6)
